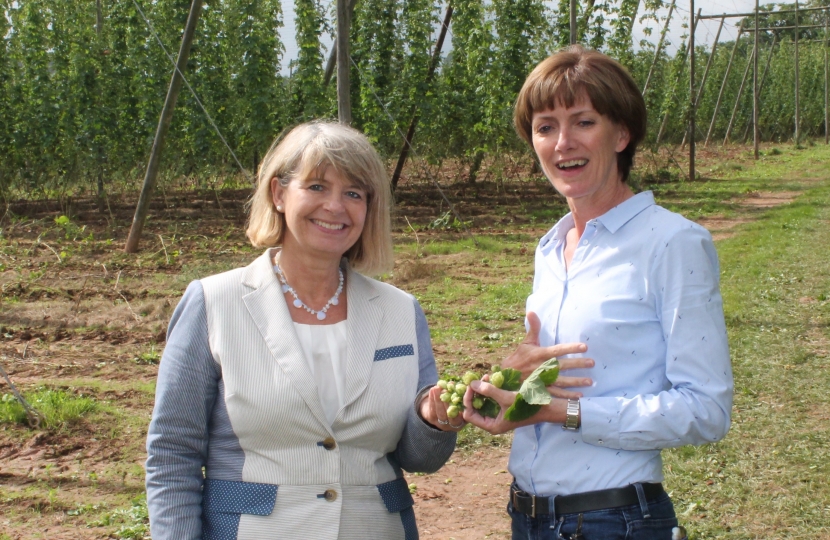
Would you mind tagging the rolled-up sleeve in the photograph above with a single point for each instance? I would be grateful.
(696, 406)
(177, 440)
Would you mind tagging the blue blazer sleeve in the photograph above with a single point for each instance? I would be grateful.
(423, 448)
(177, 440)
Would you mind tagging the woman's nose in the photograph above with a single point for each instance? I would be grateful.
(334, 202)
(563, 141)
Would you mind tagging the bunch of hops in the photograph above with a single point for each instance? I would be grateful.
(453, 394)
(531, 394)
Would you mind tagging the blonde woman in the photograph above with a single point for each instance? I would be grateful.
(291, 392)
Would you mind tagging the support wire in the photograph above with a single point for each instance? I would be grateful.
(193, 92)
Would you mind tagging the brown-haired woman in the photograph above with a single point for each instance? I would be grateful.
(291, 392)
(638, 285)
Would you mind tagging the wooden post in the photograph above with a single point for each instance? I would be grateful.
(332, 61)
(163, 126)
(723, 85)
(692, 99)
(685, 57)
(761, 85)
(797, 83)
(344, 103)
(756, 88)
(99, 28)
(410, 132)
(826, 96)
(573, 21)
(634, 17)
(659, 47)
(738, 99)
(706, 73)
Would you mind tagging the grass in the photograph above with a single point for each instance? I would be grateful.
(765, 480)
(57, 409)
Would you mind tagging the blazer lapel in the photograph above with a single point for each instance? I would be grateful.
(266, 304)
(365, 318)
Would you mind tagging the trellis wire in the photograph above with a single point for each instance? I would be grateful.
(193, 92)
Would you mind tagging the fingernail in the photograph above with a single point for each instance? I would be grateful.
(475, 385)
(590, 363)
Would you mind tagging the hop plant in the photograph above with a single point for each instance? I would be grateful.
(531, 394)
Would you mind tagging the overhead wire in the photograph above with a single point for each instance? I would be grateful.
(192, 91)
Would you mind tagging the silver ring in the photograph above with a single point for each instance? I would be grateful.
(441, 422)
(456, 427)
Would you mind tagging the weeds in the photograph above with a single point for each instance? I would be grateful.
(57, 408)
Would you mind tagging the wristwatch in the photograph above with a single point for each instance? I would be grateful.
(572, 415)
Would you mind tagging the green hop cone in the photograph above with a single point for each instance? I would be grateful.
(456, 399)
(469, 377)
(446, 397)
(451, 386)
(497, 379)
(442, 384)
(478, 402)
(460, 389)
(452, 411)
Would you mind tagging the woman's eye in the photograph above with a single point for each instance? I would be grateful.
(354, 195)
(586, 123)
(315, 187)
(543, 128)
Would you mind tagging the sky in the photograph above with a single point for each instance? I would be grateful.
(705, 33)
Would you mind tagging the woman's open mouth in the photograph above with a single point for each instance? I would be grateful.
(329, 226)
(572, 164)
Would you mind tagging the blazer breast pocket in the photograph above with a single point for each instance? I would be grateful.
(224, 502)
(394, 352)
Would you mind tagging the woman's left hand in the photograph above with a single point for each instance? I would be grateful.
(434, 411)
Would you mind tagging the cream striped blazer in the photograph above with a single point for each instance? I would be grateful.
(239, 446)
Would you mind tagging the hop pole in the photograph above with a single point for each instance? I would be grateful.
(163, 127)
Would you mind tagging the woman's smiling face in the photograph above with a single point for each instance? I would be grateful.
(577, 148)
(324, 213)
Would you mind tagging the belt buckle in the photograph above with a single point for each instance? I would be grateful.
(515, 496)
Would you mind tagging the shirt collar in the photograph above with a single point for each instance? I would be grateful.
(625, 211)
(611, 220)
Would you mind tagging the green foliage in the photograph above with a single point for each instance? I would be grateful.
(80, 98)
(133, 522)
(56, 408)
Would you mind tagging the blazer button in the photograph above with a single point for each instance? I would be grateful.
(330, 495)
(329, 444)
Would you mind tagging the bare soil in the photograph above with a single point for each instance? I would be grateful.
(78, 314)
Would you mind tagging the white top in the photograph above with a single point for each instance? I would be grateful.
(325, 348)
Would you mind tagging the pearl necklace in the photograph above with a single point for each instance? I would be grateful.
(321, 314)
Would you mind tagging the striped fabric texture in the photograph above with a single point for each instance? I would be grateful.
(235, 396)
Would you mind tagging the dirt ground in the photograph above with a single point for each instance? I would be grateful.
(79, 315)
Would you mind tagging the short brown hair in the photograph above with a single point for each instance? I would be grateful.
(312, 147)
(568, 75)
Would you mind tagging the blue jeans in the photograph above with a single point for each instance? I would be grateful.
(622, 523)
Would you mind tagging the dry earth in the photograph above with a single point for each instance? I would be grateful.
(89, 325)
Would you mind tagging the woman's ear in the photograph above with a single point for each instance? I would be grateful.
(277, 194)
(624, 139)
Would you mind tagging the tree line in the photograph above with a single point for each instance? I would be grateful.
(82, 82)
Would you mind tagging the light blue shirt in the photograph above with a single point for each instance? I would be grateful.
(642, 293)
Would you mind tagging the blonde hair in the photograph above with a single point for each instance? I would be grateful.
(574, 72)
(306, 149)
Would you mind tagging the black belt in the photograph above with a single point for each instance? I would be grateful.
(582, 502)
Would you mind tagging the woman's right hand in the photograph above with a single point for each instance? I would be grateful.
(529, 355)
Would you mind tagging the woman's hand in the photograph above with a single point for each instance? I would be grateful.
(434, 411)
(555, 411)
(529, 355)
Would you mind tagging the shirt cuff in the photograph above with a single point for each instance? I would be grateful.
(600, 421)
